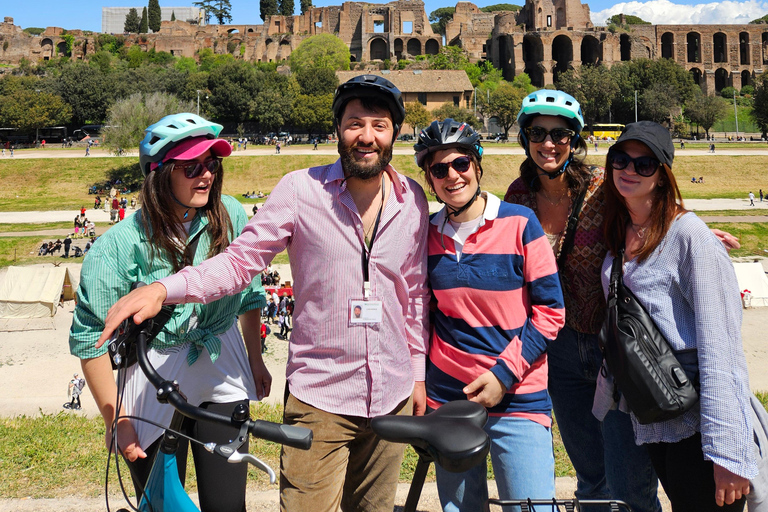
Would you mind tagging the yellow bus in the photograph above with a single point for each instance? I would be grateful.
(603, 131)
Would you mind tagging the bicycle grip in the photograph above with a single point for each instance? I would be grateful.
(288, 435)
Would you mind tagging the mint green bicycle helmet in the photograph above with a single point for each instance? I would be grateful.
(164, 134)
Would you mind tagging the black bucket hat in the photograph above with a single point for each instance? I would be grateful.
(652, 135)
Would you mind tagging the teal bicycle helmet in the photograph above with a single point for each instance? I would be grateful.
(164, 134)
(545, 102)
(446, 135)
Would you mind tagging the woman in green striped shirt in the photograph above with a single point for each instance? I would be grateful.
(200, 346)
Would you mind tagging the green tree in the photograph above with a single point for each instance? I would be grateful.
(305, 5)
(130, 116)
(729, 92)
(501, 7)
(132, 21)
(29, 110)
(503, 103)
(658, 101)
(102, 60)
(272, 107)
(267, 8)
(313, 113)
(416, 115)
(594, 87)
(439, 18)
(450, 111)
(705, 111)
(449, 57)
(320, 51)
(317, 81)
(86, 89)
(482, 72)
(760, 104)
(154, 15)
(286, 7)
(219, 9)
(764, 19)
(628, 18)
(173, 15)
(144, 25)
(233, 88)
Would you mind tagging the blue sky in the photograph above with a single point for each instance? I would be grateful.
(86, 14)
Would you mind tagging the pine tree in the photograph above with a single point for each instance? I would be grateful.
(305, 5)
(173, 15)
(132, 22)
(154, 15)
(286, 7)
(267, 8)
(143, 27)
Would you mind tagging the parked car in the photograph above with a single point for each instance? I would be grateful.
(406, 137)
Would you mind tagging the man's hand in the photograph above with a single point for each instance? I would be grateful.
(127, 441)
(487, 390)
(142, 303)
(419, 398)
(729, 487)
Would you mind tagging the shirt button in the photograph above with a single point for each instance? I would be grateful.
(182, 330)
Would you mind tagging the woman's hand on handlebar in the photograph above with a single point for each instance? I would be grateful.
(142, 303)
(127, 440)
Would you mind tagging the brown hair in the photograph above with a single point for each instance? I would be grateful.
(577, 173)
(163, 229)
(667, 204)
(431, 156)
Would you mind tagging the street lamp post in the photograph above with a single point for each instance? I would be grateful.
(736, 114)
(635, 106)
(198, 102)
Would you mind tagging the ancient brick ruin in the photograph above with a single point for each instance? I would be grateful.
(545, 38)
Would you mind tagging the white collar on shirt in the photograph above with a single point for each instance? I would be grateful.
(492, 204)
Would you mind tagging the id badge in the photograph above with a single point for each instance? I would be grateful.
(362, 311)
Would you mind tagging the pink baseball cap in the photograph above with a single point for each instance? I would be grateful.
(191, 148)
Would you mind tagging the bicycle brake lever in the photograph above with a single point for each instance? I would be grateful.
(247, 457)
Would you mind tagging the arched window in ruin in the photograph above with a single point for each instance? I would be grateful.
(696, 75)
(590, 51)
(398, 48)
(250, 30)
(746, 78)
(765, 48)
(62, 47)
(693, 40)
(668, 45)
(414, 47)
(625, 46)
(285, 50)
(506, 57)
(270, 53)
(720, 47)
(233, 31)
(562, 54)
(722, 79)
(744, 48)
(533, 50)
(432, 47)
(379, 49)
(46, 45)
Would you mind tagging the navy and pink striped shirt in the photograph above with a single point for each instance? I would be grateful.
(498, 307)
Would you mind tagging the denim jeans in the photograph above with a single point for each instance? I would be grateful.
(607, 461)
(523, 462)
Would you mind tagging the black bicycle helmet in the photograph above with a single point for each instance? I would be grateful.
(445, 135)
(370, 86)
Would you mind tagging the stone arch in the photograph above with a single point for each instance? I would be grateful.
(536, 73)
(693, 42)
(696, 75)
(562, 55)
(720, 47)
(398, 48)
(270, 50)
(765, 48)
(46, 45)
(625, 47)
(744, 48)
(590, 51)
(431, 47)
(414, 46)
(250, 31)
(284, 51)
(667, 45)
(62, 47)
(233, 31)
(378, 49)
(533, 49)
(746, 78)
(722, 79)
(506, 57)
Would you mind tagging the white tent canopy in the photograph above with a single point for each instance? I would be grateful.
(34, 292)
(752, 277)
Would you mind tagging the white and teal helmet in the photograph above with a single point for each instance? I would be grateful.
(164, 134)
(545, 102)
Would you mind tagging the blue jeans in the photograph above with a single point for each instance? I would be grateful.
(607, 461)
(522, 458)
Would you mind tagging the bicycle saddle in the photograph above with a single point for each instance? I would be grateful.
(452, 435)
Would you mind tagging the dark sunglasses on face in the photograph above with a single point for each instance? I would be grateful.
(560, 136)
(645, 166)
(195, 169)
(460, 165)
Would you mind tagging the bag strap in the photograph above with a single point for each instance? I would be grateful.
(570, 231)
(191, 249)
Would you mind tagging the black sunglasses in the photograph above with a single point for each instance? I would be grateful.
(460, 165)
(560, 136)
(195, 169)
(645, 166)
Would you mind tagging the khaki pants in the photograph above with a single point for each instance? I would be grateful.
(347, 466)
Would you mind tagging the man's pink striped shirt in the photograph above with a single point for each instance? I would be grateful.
(360, 370)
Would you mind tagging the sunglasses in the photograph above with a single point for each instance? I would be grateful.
(195, 169)
(560, 136)
(460, 165)
(645, 166)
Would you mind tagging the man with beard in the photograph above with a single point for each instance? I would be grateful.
(355, 232)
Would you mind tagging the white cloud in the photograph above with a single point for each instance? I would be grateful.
(664, 12)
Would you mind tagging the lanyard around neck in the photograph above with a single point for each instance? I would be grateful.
(366, 253)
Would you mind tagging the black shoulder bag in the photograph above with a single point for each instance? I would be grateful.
(643, 365)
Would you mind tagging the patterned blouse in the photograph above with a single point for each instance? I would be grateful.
(584, 301)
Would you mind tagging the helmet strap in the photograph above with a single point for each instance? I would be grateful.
(450, 210)
(186, 213)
